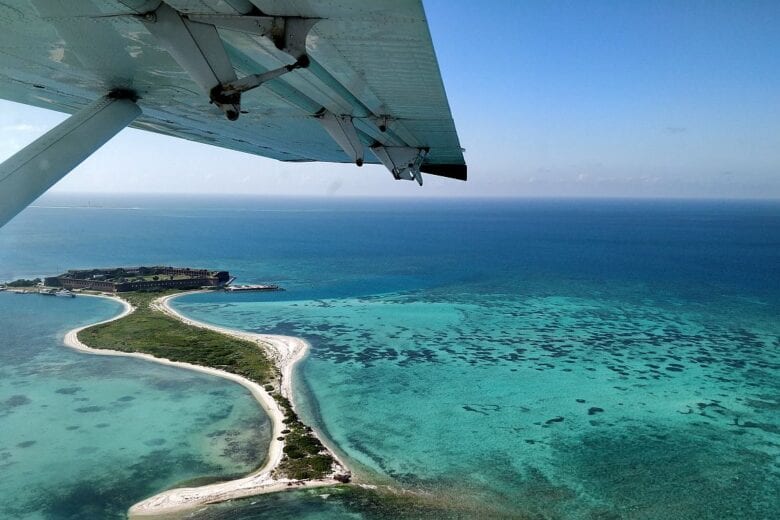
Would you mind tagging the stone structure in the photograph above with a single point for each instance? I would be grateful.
(123, 279)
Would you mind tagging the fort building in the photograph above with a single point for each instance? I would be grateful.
(123, 279)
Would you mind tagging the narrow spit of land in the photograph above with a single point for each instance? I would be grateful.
(149, 328)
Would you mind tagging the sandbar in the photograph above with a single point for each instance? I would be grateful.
(285, 351)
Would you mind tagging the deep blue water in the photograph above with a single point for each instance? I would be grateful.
(526, 358)
(326, 248)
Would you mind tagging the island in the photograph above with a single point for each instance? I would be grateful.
(126, 279)
(149, 328)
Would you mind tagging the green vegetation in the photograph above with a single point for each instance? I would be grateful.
(152, 278)
(23, 282)
(152, 332)
(304, 455)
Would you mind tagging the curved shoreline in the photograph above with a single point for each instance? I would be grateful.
(285, 351)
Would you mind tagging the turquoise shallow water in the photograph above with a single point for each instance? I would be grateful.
(524, 359)
(575, 403)
(84, 436)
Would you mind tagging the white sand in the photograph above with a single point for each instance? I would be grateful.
(285, 352)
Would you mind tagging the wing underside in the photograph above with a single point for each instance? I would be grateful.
(370, 88)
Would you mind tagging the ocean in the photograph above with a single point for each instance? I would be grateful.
(470, 358)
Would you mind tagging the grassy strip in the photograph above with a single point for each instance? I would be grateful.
(152, 332)
(23, 282)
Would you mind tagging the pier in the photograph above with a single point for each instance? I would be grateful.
(255, 287)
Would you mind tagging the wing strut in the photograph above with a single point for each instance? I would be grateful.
(341, 129)
(195, 44)
(38, 166)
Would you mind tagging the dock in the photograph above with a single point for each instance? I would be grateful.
(256, 287)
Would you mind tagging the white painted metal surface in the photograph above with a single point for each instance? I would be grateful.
(195, 46)
(403, 162)
(344, 133)
(371, 63)
(33, 170)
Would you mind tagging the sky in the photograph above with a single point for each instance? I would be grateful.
(550, 99)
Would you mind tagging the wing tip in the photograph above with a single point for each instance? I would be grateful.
(451, 171)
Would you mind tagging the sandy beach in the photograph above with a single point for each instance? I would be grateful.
(285, 351)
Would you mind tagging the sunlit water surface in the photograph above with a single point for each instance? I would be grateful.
(554, 359)
(85, 436)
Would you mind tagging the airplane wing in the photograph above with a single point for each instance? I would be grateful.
(294, 80)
